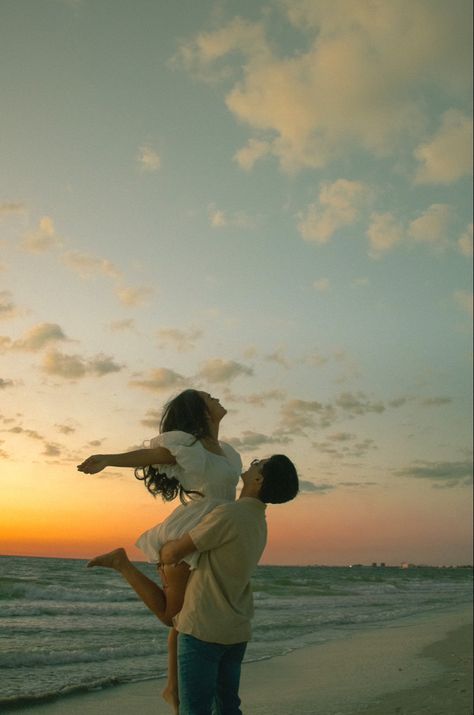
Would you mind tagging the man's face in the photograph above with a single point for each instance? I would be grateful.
(253, 475)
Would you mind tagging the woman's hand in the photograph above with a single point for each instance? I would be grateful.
(92, 465)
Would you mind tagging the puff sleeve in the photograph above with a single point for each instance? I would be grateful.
(189, 454)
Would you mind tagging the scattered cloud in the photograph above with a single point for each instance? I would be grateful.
(148, 159)
(345, 448)
(298, 415)
(43, 239)
(435, 401)
(8, 309)
(254, 150)
(180, 340)
(339, 205)
(250, 440)
(358, 404)
(310, 487)
(31, 433)
(5, 383)
(223, 219)
(322, 285)
(38, 337)
(12, 208)
(133, 297)
(65, 429)
(447, 473)
(358, 82)
(120, 326)
(465, 244)
(152, 419)
(432, 226)
(51, 450)
(73, 367)
(86, 265)
(384, 233)
(259, 399)
(218, 370)
(464, 300)
(160, 379)
(279, 357)
(447, 156)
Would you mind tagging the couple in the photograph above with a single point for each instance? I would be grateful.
(206, 550)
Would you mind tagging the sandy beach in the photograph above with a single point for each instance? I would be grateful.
(418, 665)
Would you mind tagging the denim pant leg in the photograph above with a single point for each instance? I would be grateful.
(228, 680)
(198, 668)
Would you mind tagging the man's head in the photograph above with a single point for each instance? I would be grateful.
(273, 480)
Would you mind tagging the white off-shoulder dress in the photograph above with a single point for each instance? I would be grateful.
(214, 475)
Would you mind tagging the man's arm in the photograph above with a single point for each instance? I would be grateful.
(176, 550)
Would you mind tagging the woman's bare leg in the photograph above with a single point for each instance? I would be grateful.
(151, 594)
(164, 603)
(170, 693)
(174, 580)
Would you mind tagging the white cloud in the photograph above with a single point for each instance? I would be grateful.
(218, 370)
(133, 297)
(384, 233)
(339, 204)
(223, 219)
(87, 265)
(254, 150)
(465, 244)
(250, 440)
(118, 326)
(43, 239)
(180, 340)
(464, 300)
(160, 379)
(359, 82)
(447, 157)
(432, 226)
(148, 159)
(71, 367)
(8, 309)
(279, 357)
(11, 208)
(38, 336)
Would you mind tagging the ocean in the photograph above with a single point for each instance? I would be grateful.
(65, 628)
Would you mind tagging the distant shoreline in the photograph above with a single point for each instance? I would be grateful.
(319, 566)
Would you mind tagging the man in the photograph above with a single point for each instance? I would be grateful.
(214, 623)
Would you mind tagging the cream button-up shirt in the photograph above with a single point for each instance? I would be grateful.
(218, 604)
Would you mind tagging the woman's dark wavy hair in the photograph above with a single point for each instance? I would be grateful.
(186, 412)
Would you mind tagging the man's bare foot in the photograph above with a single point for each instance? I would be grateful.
(170, 696)
(112, 560)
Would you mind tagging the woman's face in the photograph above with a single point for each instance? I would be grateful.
(214, 407)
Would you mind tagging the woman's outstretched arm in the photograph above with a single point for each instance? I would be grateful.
(138, 458)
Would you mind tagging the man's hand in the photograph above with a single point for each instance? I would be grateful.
(93, 464)
(175, 551)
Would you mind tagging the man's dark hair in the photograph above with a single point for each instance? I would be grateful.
(280, 480)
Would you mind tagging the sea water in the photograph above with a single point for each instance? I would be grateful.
(65, 628)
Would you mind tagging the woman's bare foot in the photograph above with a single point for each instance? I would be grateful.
(170, 695)
(111, 560)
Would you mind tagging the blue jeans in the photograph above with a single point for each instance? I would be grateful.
(209, 677)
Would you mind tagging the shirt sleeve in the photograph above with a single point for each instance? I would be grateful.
(216, 529)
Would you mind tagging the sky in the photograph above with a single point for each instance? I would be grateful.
(266, 200)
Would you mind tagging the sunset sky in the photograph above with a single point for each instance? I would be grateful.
(267, 200)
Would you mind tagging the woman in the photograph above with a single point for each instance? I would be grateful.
(185, 460)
